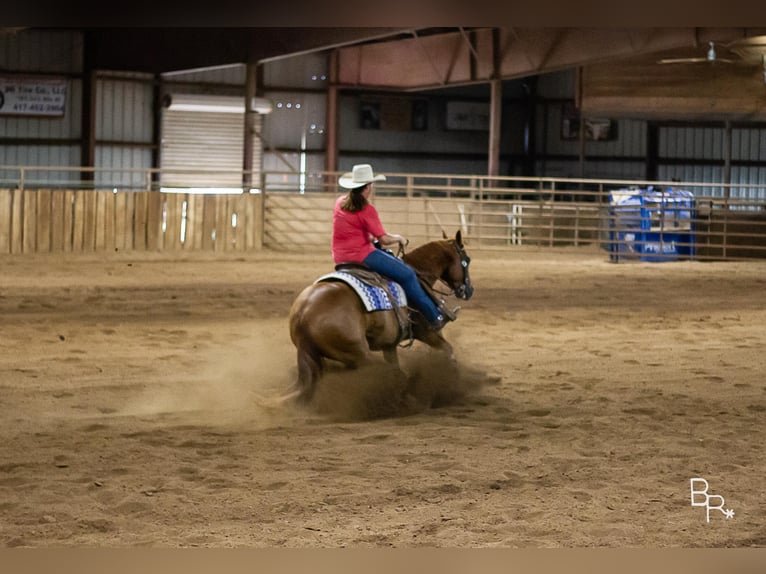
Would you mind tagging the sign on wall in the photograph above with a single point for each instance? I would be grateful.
(391, 113)
(470, 116)
(30, 96)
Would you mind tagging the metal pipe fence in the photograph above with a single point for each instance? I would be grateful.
(49, 208)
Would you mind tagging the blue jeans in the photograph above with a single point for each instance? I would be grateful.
(396, 269)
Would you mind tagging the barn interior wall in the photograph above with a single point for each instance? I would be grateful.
(295, 138)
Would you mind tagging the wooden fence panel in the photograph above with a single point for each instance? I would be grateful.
(194, 211)
(209, 220)
(69, 209)
(89, 222)
(17, 227)
(154, 204)
(222, 224)
(139, 220)
(120, 222)
(6, 220)
(78, 223)
(173, 216)
(100, 221)
(240, 231)
(43, 223)
(57, 221)
(108, 198)
(250, 222)
(30, 221)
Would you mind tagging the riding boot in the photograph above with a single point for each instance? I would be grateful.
(449, 315)
(439, 323)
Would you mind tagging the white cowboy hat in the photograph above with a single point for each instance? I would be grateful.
(359, 175)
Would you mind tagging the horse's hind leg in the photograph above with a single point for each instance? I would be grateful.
(310, 370)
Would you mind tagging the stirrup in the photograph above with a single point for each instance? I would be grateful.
(449, 315)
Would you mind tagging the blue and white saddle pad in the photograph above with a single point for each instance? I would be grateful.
(374, 298)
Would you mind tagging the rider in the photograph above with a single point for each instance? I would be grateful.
(356, 224)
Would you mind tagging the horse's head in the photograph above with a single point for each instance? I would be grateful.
(456, 273)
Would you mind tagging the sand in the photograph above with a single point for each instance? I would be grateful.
(132, 395)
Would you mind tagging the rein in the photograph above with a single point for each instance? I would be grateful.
(428, 279)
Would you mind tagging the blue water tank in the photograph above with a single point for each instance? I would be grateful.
(651, 224)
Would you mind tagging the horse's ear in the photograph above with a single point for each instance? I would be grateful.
(459, 238)
(444, 234)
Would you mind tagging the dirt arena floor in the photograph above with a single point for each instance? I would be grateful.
(588, 395)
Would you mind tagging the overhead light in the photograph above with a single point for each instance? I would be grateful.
(211, 103)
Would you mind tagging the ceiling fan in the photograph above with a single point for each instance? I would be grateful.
(711, 56)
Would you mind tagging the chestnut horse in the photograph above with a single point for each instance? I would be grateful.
(328, 321)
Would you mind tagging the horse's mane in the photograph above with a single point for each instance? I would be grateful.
(430, 257)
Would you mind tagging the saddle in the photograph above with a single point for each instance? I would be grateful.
(374, 284)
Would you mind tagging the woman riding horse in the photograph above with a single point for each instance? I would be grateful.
(356, 224)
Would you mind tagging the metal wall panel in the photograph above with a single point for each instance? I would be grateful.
(124, 110)
(749, 176)
(435, 139)
(43, 51)
(630, 140)
(290, 177)
(227, 75)
(294, 115)
(305, 71)
(627, 170)
(748, 144)
(121, 158)
(557, 85)
(694, 174)
(442, 166)
(44, 156)
(691, 142)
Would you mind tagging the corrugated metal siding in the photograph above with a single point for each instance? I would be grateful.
(199, 141)
(749, 176)
(228, 75)
(121, 158)
(293, 114)
(124, 110)
(436, 139)
(305, 71)
(420, 165)
(691, 142)
(748, 144)
(557, 85)
(45, 51)
(285, 181)
(629, 170)
(629, 142)
(694, 174)
(44, 156)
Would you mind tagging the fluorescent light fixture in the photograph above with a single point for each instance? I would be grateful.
(211, 103)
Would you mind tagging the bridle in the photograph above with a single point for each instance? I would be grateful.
(464, 290)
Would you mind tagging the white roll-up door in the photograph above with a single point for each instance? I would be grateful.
(194, 141)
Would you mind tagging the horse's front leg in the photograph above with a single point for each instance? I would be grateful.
(436, 340)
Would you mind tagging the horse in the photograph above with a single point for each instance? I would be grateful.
(328, 321)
